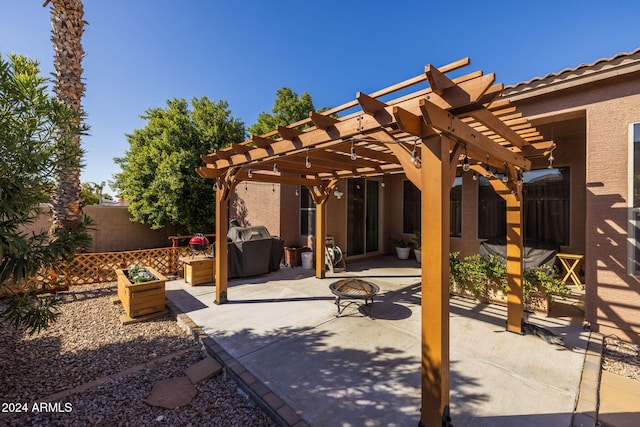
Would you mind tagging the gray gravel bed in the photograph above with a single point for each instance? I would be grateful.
(622, 358)
(89, 342)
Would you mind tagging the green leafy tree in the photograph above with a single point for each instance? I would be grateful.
(31, 153)
(288, 108)
(93, 194)
(158, 175)
(88, 194)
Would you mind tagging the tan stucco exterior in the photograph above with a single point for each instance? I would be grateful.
(608, 96)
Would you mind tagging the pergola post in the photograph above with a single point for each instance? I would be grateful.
(435, 281)
(320, 197)
(321, 231)
(222, 250)
(514, 264)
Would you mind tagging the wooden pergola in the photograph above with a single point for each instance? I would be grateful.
(447, 124)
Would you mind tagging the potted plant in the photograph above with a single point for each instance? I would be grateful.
(403, 248)
(141, 290)
(417, 238)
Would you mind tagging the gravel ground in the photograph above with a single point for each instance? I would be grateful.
(88, 342)
(621, 358)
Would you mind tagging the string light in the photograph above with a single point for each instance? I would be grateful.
(551, 159)
(353, 151)
(488, 168)
(307, 161)
(475, 177)
(414, 153)
(297, 193)
(505, 178)
(250, 174)
(465, 162)
(275, 168)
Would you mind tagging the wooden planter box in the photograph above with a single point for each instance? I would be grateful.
(539, 302)
(140, 299)
(198, 269)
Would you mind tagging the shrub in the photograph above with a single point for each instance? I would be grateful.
(544, 278)
(478, 274)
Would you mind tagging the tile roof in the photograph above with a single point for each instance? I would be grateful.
(602, 64)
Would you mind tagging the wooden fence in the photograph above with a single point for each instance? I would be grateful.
(100, 267)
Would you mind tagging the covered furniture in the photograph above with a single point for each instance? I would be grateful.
(253, 251)
(534, 253)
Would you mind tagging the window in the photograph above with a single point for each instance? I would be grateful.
(410, 208)
(411, 219)
(634, 190)
(545, 206)
(492, 211)
(307, 213)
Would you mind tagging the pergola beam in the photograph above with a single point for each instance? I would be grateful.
(261, 142)
(454, 127)
(321, 121)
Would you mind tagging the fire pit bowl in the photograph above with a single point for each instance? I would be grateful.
(356, 291)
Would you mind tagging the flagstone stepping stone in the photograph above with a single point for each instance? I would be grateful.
(203, 370)
(172, 393)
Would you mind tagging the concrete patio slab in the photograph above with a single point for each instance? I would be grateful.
(353, 370)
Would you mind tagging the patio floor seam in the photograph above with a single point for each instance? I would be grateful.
(586, 410)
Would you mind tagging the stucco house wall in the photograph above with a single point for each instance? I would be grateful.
(609, 105)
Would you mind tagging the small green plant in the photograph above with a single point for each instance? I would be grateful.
(476, 274)
(543, 277)
(495, 270)
(399, 243)
(417, 239)
(139, 274)
(458, 275)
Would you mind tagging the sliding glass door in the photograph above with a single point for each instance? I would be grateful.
(362, 216)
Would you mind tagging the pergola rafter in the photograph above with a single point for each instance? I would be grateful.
(426, 135)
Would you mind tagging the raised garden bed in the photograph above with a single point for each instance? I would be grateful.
(141, 296)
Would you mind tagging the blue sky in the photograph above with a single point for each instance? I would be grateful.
(139, 53)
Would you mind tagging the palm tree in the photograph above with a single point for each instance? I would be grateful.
(67, 22)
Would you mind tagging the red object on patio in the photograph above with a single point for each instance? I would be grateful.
(198, 243)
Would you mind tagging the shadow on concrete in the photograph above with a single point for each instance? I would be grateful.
(185, 300)
(329, 384)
